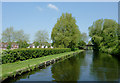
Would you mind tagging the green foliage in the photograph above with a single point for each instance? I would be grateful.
(74, 49)
(41, 37)
(10, 56)
(65, 33)
(23, 66)
(81, 44)
(21, 36)
(23, 44)
(84, 37)
(89, 43)
(36, 43)
(8, 35)
(104, 35)
(9, 45)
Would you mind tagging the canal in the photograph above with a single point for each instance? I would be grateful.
(86, 66)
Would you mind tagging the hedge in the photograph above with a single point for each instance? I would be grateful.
(10, 56)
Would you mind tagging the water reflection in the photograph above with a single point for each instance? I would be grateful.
(68, 70)
(104, 67)
(89, 66)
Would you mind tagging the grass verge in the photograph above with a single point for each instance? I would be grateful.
(11, 69)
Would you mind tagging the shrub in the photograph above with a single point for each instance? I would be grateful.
(74, 49)
(10, 56)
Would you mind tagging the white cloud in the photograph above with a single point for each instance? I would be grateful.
(53, 7)
(39, 8)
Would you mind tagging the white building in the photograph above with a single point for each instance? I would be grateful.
(51, 47)
(46, 47)
(37, 46)
(28, 47)
(42, 46)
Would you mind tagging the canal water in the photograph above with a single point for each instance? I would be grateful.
(86, 66)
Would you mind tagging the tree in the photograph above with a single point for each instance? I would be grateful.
(84, 37)
(104, 35)
(8, 35)
(21, 36)
(95, 32)
(22, 44)
(118, 33)
(41, 37)
(81, 44)
(22, 39)
(36, 43)
(89, 43)
(65, 33)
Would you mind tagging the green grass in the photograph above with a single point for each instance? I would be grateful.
(11, 68)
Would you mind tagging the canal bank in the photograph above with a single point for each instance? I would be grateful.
(84, 66)
(18, 68)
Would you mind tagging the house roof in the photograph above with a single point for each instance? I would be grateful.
(13, 43)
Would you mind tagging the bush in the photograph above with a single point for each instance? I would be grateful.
(10, 56)
(74, 49)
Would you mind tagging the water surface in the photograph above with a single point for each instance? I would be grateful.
(86, 66)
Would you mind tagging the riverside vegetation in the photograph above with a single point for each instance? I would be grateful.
(11, 56)
(105, 35)
(69, 43)
(66, 37)
(19, 67)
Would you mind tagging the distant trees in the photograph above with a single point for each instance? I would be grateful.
(84, 37)
(81, 44)
(36, 43)
(22, 39)
(41, 38)
(89, 43)
(82, 40)
(10, 35)
(104, 35)
(23, 44)
(65, 33)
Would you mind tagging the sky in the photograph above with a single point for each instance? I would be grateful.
(34, 16)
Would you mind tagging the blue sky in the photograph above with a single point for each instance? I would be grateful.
(34, 16)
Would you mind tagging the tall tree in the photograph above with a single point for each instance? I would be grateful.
(95, 32)
(8, 35)
(65, 33)
(21, 36)
(84, 37)
(104, 35)
(41, 37)
(22, 39)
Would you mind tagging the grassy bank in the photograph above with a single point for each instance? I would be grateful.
(13, 69)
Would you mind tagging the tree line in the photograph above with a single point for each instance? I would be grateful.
(105, 35)
(65, 34)
(10, 35)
